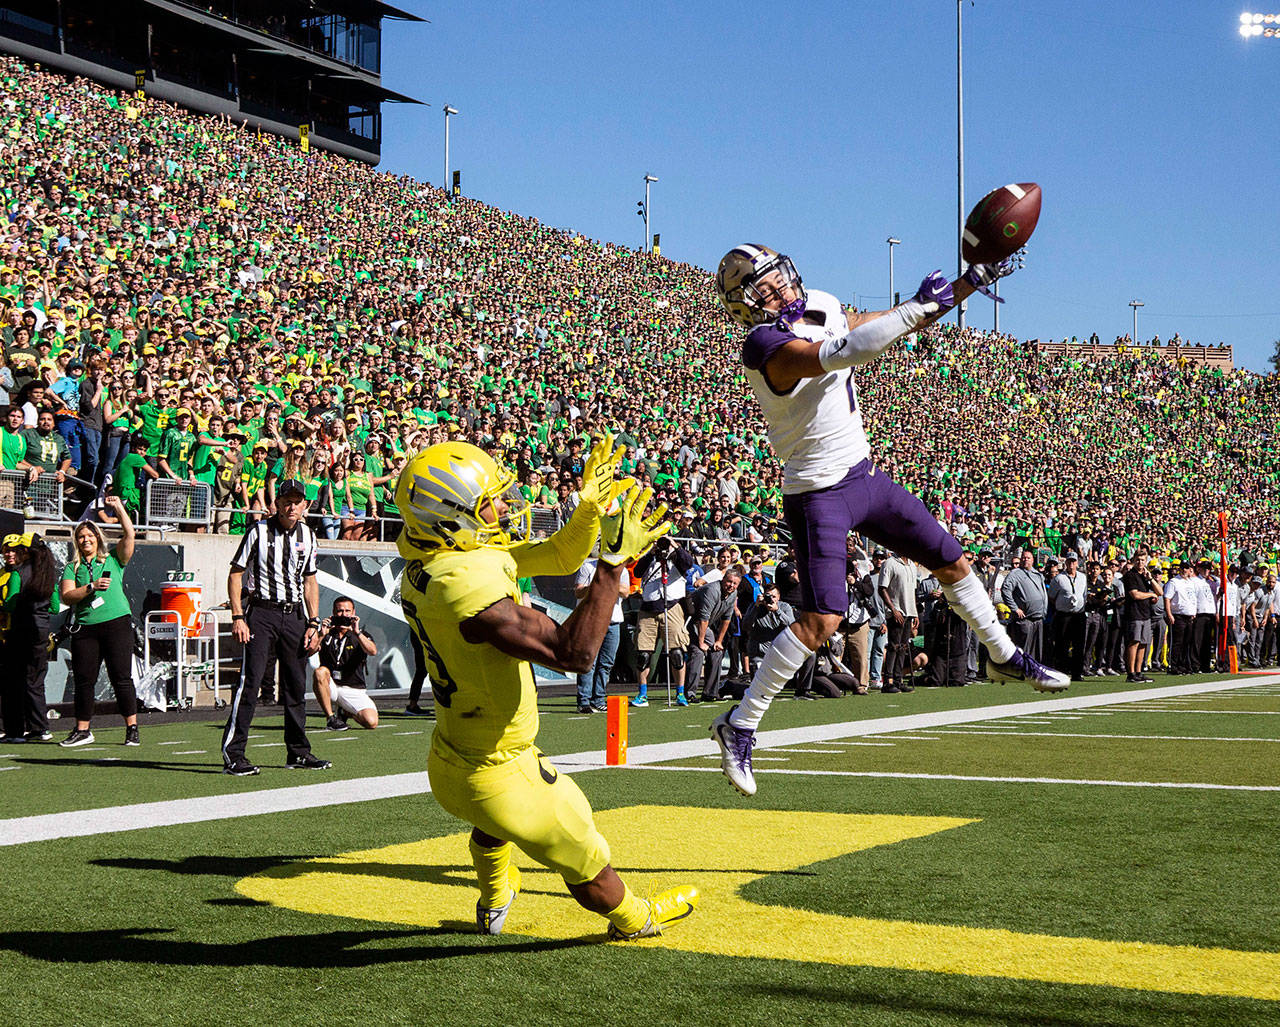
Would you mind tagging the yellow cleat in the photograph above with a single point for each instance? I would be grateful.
(665, 909)
(491, 921)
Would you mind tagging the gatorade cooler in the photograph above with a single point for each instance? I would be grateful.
(183, 598)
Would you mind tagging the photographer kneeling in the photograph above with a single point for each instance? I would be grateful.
(339, 680)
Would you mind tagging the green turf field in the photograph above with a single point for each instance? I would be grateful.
(1114, 863)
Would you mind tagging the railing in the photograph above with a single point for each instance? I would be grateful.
(172, 504)
(39, 500)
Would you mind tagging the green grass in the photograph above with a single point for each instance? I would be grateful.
(146, 927)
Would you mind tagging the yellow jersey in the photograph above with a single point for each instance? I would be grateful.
(486, 704)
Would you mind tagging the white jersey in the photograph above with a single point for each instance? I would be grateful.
(816, 428)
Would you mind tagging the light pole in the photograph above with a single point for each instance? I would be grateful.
(648, 239)
(1135, 304)
(960, 149)
(447, 111)
(892, 243)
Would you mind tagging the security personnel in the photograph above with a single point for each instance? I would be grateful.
(1205, 630)
(276, 564)
(1067, 594)
(1180, 615)
(1025, 594)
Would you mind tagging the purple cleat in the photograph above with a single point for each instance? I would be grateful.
(735, 752)
(1022, 667)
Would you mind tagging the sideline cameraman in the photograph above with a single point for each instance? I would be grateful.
(661, 572)
(339, 680)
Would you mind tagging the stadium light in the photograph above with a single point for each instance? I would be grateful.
(648, 239)
(1135, 304)
(1256, 24)
(447, 111)
(892, 243)
(962, 306)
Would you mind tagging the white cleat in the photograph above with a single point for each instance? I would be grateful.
(735, 752)
(1022, 667)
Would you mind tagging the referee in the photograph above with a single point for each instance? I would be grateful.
(276, 566)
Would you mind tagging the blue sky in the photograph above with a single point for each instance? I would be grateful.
(823, 128)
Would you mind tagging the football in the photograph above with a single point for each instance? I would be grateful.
(1001, 223)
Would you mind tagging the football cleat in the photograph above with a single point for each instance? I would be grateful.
(665, 909)
(1022, 667)
(735, 752)
(491, 921)
(639, 702)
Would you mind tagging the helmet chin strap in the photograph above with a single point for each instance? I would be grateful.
(793, 311)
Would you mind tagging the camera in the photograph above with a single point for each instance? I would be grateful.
(662, 547)
(341, 622)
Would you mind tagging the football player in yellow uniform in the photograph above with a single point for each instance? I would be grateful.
(465, 542)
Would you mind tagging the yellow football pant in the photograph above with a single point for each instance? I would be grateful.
(528, 802)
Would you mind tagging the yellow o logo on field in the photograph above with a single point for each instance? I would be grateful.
(430, 883)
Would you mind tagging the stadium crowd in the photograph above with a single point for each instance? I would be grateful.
(183, 297)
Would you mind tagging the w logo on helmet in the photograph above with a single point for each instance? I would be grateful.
(456, 496)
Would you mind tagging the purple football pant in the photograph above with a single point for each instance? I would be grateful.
(867, 501)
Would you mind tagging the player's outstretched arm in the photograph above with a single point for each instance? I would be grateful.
(870, 335)
(528, 634)
(565, 551)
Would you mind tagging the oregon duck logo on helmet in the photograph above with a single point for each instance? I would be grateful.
(743, 291)
(449, 496)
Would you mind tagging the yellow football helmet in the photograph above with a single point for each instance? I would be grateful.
(442, 493)
(738, 280)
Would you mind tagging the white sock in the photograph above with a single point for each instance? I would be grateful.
(780, 663)
(970, 600)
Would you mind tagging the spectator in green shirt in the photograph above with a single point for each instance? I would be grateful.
(46, 449)
(133, 469)
(93, 587)
(177, 447)
(13, 441)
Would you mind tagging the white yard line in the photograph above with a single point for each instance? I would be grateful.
(191, 752)
(911, 738)
(78, 823)
(1194, 785)
(805, 751)
(407, 732)
(1068, 734)
(1222, 713)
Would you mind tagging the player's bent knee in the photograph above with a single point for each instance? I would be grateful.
(368, 718)
(813, 629)
(677, 659)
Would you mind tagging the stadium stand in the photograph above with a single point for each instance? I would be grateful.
(306, 307)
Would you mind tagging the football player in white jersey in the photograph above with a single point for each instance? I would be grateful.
(800, 351)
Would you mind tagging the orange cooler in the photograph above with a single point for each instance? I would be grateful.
(183, 598)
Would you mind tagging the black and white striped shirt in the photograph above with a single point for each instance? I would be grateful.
(275, 561)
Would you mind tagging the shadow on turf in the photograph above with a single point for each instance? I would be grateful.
(211, 866)
(284, 867)
(72, 761)
(324, 950)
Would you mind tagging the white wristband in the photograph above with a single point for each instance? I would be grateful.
(871, 338)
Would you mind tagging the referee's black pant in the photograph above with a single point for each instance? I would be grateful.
(272, 632)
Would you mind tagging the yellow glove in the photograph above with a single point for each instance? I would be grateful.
(599, 489)
(628, 534)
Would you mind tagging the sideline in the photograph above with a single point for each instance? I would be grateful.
(142, 816)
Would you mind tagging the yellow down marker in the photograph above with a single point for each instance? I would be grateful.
(430, 883)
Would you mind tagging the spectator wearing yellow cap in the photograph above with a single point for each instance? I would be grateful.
(25, 603)
(254, 477)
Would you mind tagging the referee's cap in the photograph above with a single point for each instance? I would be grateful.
(291, 487)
